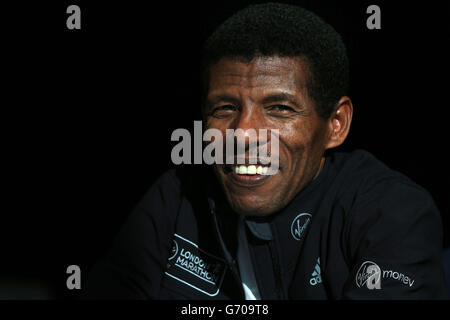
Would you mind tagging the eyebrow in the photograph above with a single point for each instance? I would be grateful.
(278, 97)
(281, 97)
(222, 98)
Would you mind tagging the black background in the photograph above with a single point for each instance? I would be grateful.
(87, 114)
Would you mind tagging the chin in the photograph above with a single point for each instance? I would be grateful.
(250, 209)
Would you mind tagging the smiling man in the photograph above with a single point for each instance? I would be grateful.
(270, 92)
(325, 225)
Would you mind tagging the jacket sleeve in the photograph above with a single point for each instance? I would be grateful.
(134, 266)
(395, 245)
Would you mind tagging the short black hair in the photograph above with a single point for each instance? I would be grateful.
(275, 29)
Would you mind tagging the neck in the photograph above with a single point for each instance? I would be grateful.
(322, 162)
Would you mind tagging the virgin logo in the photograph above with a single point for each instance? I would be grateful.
(369, 274)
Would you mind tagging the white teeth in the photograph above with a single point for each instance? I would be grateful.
(259, 170)
(242, 169)
(251, 169)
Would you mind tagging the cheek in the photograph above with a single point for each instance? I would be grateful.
(301, 144)
(220, 124)
(294, 138)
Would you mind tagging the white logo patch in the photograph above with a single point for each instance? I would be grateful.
(194, 267)
(299, 225)
(369, 274)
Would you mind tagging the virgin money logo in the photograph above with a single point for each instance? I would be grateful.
(369, 274)
(299, 225)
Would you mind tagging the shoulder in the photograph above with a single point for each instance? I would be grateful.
(360, 176)
(376, 196)
(361, 168)
(383, 204)
(165, 190)
(174, 187)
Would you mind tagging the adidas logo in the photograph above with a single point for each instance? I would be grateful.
(316, 278)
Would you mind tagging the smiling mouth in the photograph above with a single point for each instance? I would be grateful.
(248, 175)
(250, 169)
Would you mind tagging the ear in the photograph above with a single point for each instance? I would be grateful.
(339, 123)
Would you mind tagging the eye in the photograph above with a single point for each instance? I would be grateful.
(223, 111)
(280, 109)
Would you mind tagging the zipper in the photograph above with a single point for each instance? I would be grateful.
(231, 263)
(279, 285)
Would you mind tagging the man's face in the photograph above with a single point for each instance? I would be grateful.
(267, 93)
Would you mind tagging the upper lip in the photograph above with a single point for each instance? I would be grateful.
(250, 161)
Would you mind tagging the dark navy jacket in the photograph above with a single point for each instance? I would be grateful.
(358, 231)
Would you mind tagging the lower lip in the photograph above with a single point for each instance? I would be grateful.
(248, 180)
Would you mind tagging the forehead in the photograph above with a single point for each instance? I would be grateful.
(274, 73)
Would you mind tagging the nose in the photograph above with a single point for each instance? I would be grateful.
(248, 118)
(247, 130)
